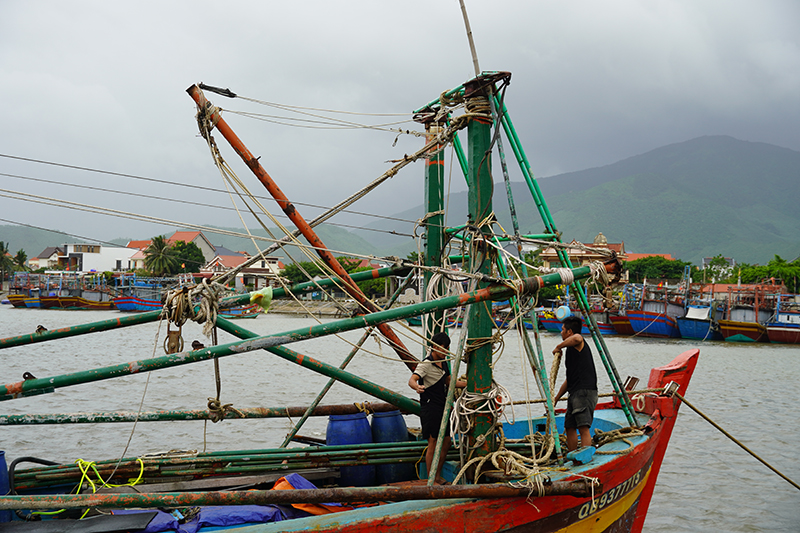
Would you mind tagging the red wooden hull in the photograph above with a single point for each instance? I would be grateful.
(74, 302)
(783, 334)
(621, 505)
(622, 324)
(18, 300)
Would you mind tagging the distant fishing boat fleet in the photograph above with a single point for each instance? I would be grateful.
(93, 291)
(761, 312)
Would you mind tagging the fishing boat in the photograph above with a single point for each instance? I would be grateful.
(138, 293)
(242, 311)
(501, 476)
(784, 327)
(749, 309)
(24, 289)
(702, 313)
(661, 305)
(75, 291)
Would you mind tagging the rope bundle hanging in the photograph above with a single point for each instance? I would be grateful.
(180, 305)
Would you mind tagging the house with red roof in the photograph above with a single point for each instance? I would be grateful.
(198, 239)
(262, 273)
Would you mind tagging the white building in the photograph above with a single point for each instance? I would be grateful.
(95, 258)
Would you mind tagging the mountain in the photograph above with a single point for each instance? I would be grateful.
(704, 197)
(707, 196)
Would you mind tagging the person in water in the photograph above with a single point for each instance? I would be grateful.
(431, 380)
(581, 384)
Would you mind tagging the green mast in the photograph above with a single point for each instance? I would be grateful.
(434, 217)
(481, 215)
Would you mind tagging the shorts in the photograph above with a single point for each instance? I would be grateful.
(580, 408)
(431, 418)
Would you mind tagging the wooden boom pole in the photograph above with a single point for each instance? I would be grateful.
(216, 121)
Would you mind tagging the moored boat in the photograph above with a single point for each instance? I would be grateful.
(749, 308)
(740, 331)
(139, 294)
(242, 311)
(539, 487)
(784, 327)
(660, 306)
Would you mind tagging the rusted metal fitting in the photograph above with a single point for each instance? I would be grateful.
(477, 86)
(427, 115)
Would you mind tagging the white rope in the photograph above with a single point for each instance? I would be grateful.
(470, 404)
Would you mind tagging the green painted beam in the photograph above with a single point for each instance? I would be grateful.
(274, 343)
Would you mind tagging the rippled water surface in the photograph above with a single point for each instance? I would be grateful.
(706, 482)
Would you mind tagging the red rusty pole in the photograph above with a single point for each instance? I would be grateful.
(308, 232)
(581, 488)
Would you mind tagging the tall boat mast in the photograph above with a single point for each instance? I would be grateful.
(481, 255)
(209, 117)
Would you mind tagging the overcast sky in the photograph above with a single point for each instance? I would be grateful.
(102, 85)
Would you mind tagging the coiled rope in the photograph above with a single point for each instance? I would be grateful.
(180, 305)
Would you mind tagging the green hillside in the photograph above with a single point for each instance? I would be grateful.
(700, 198)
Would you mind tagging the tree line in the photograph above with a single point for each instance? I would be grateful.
(718, 270)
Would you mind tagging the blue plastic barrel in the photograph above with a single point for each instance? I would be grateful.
(351, 429)
(563, 312)
(5, 516)
(391, 427)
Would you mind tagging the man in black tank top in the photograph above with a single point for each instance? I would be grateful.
(581, 383)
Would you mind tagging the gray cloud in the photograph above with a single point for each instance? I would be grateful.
(101, 85)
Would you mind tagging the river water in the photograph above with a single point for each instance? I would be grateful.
(706, 483)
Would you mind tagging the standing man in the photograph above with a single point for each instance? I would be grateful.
(431, 380)
(581, 383)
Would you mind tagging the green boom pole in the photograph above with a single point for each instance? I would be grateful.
(274, 343)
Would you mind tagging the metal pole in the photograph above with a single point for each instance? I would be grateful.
(291, 211)
(481, 324)
(434, 227)
(178, 415)
(581, 488)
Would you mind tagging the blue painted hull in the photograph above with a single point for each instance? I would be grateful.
(692, 328)
(136, 304)
(650, 324)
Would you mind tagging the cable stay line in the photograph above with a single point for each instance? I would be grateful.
(343, 124)
(187, 185)
(5, 193)
(187, 202)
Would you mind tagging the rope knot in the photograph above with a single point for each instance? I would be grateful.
(217, 410)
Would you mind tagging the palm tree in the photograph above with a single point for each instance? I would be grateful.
(159, 257)
(6, 263)
(20, 259)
